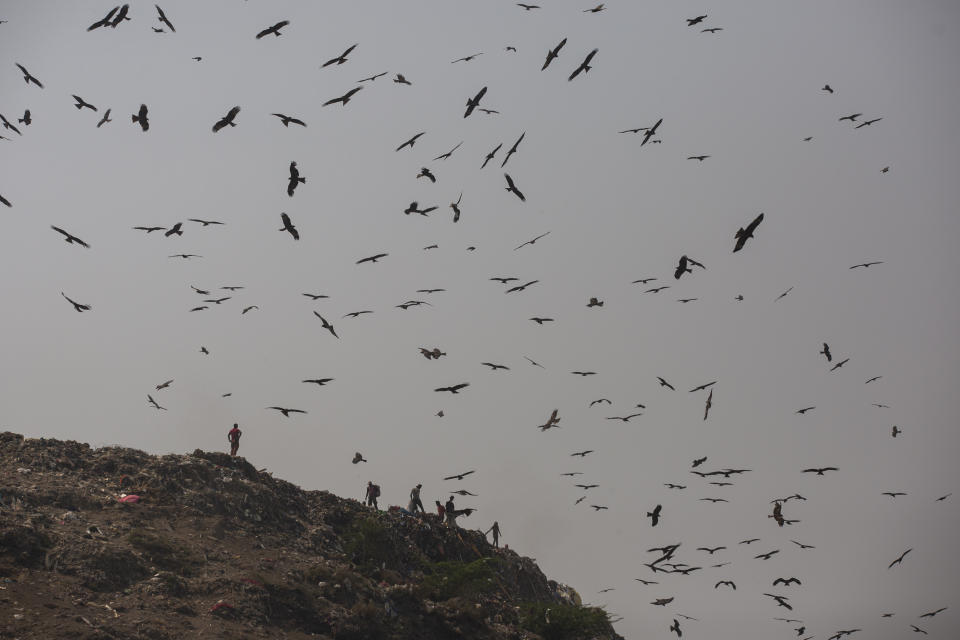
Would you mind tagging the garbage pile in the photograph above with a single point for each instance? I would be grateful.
(117, 543)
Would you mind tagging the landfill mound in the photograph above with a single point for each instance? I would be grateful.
(118, 543)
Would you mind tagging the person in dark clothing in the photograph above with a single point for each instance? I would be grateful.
(234, 437)
(373, 492)
(496, 533)
(450, 511)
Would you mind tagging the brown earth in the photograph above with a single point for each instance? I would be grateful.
(218, 549)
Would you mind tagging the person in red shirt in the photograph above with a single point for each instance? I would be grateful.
(234, 437)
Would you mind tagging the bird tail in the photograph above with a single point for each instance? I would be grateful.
(78, 106)
(301, 180)
(133, 117)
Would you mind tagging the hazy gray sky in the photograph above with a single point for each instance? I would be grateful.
(616, 212)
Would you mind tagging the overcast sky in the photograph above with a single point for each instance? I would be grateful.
(616, 211)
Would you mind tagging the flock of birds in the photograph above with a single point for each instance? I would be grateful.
(666, 559)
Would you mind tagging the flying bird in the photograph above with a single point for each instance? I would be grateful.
(494, 367)
(227, 120)
(27, 77)
(105, 119)
(286, 412)
(743, 234)
(287, 120)
(81, 103)
(706, 410)
(344, 99)
(553, 53)
(288, 226)
(852, 117)
(866, 264)
(474, 102)
(654, 515)
(652, 131)
(80, 308)
(154, 403)
(372, 258)
(295, 179)
(460, 476)
(900, 559)
(326, 325)
(444, 156)
(454, 388)
(521, 287)
(412, 141)
(839, 364)
(820, 471)
(513, 188)
(275, 29)
(584, 66)
(531, 241)
(551, 422)
(70, 238)
(141, 117)
(490, 155)
(867, 123)
(512, 150)
(358, 457)
(162, 17)
(664, 383)
(400, 79)
(104, 21)
(339, 59)
(804, 410)
(456, 208)
(728, 583)
(164, 385)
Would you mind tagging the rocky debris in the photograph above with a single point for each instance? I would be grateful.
(205, 545)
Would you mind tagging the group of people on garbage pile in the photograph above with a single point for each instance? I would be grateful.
(447, 512)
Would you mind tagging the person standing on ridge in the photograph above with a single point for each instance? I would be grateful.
(373, 492)
(496, 533)
(234, 437)
(415, 500)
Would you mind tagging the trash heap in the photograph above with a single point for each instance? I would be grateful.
(118, 543)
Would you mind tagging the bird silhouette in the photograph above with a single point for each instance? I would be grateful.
(344, 99)
(372, 258)
(454, 388)
(141, 118)
(900, 559)
(664, 383)
(654, 515)
(80, 308)
(512, 150)
(745, 233)
(154, 403)
(275, 29)
(288, 226)
(319, 381)
(70, 238)
(27, 77)
(286, 412)
(584, 66)
(339, 59)
(227, 120)
(326, 325)
(287, 120)
(295, 179)
(474, 102)
(553, 53)
(162, 17)
(412, 141)
(460, 476)
(511, 187)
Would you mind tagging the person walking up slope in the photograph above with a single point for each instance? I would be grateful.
(415, 500)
